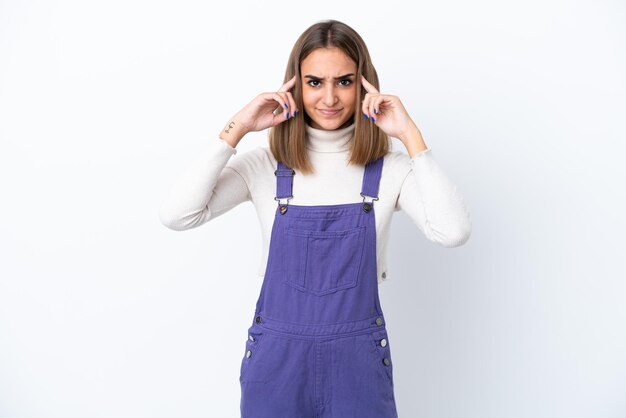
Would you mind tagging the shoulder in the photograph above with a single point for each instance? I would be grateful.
(399, 162)
(396, 157)
(396, 164)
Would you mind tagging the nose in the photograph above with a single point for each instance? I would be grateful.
(330, 98)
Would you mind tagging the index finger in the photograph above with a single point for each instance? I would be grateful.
(368, 87)
(289, 84)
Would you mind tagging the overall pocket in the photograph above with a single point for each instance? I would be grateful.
(251, 353)
(382, 353)
(323, 262)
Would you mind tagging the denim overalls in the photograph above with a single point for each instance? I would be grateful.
(318, 346)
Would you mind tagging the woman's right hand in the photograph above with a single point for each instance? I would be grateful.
(259, 113)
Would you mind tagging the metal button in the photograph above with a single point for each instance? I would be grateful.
(248, 353)
(258, 319)
(283, 209)
(379, 321)
(384, 274)
(367, 206)
(383, 342)
(251, 338)
(386, 361)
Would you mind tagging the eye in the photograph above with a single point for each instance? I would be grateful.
(312, 81)
(348, 82)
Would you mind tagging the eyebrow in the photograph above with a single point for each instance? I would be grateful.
(336, 78)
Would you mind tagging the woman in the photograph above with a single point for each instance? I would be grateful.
(324, 191)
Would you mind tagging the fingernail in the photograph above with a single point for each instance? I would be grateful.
(287, 115)
(286, 107)
(374, 110)
(365, 114)
(373, 120)
(294, 113)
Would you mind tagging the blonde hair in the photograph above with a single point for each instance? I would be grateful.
(287, 141)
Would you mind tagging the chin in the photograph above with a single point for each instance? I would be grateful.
(330, 125)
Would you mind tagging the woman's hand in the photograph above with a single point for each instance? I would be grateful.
(261, 113)
(388, 113)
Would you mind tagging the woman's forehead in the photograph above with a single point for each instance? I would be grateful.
(328, 63)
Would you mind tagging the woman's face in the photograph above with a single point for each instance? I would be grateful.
(329, 88)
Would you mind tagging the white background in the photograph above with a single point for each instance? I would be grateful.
(104, 312)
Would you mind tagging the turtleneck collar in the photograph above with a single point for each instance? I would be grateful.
(338, 140)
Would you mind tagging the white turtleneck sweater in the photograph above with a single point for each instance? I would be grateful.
(216, 183)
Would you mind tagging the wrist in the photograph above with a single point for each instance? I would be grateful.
(413, 141)
(232, 133)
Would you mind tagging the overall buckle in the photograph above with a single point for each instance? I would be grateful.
(367, 206)
(283, 207)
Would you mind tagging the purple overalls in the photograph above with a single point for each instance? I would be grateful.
(318, 346)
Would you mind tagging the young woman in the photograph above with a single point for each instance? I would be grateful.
(324, 190)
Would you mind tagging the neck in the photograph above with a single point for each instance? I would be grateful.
(338, 140)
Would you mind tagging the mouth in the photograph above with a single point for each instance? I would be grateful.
(329, 112)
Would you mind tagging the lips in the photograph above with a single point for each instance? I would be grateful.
(329, 112)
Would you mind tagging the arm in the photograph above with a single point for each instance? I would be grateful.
(207, 189)
(427, 195)
(433, 202)
(210, 187)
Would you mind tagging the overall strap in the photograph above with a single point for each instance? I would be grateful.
(284, 185)
(371, 178)
(371, 181)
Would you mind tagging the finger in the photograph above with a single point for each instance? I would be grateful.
(288, 85)
(278, 110)
(375, 105)
(370, 108)
(292, 104)
(365, 106)
(280, 115)
(289, 102)
(368, 87)
(277, 97)
(281, 98)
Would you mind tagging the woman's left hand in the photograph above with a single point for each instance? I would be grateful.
(387, 112)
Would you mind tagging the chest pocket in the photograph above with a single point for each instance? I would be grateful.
(322, 262)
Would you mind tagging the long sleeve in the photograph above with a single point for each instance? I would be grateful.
(207, 189)
(434, 203)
